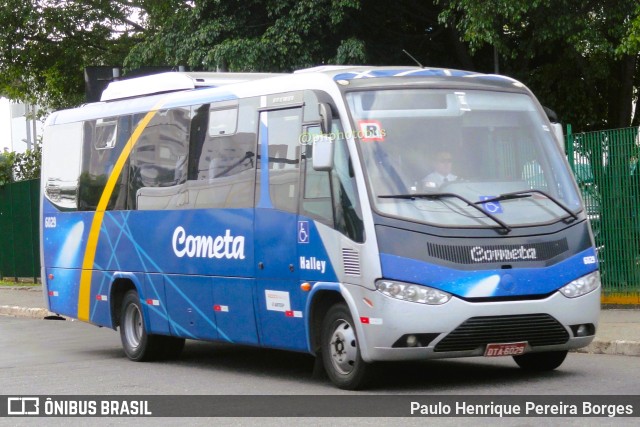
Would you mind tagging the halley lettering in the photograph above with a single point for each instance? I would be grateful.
(312, 263)
(479, 254)
(226, 246)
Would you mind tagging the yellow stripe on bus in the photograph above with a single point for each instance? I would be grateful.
(84, 294)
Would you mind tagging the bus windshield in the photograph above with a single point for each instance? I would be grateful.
(461, 158)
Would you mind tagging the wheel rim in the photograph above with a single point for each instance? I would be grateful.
(133, 328)
(343, 347)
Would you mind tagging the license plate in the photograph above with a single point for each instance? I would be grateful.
(508, 349)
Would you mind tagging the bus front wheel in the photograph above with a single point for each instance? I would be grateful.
(544, 361)
(340, 352)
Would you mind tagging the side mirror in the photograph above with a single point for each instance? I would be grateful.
(326, 117)
(556, 126)
(322, 152)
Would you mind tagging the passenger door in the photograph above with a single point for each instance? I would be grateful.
(280, 302)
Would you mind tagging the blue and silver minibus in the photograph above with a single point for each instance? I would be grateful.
(359, 214)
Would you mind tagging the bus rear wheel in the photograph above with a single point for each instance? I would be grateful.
(540, 362)
(340, 352)
(138, 345)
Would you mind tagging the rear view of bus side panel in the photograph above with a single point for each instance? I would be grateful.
(63, 230)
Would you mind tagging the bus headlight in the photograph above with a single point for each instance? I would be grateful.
(412, 293)
(581, 286)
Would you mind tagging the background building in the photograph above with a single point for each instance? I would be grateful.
(18, 131)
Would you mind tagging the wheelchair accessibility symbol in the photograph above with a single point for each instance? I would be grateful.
(303, 231)
(491, 207)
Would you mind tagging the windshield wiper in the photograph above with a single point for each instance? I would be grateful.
(527, 193)
(436, 196)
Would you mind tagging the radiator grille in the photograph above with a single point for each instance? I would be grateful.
(536, 329)
(351, 262)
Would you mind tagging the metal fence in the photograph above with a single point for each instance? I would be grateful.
(19, 232)
(605, 164)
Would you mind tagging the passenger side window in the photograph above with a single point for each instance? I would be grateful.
(316, 193)
(284, 127)
(104, 140)
(159, 159)
(332, 197)
(347, 211)
(222, 159)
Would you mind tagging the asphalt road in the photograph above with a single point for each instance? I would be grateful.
(49, 357)
(65, 357)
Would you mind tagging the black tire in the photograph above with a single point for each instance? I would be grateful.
(137, 344)
(540, 362)
(340, 352)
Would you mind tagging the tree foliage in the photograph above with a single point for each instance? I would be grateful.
(20, 166)
(45, 45)
(579, 56)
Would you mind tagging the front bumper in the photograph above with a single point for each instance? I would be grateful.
(381, 321)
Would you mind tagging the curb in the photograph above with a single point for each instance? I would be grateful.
(614, 347)
(16, 311)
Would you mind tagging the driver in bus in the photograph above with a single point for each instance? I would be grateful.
(442, 173)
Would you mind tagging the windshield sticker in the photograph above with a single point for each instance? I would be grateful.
(462, 101)
(491, 207)
(371, 130)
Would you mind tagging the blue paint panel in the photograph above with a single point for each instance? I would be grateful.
(234, 311)
(488, 283)
(276, 237)
(156, 316)
(65, 237)
(190, 306)
(175, 242)
(281, 329)
(63, 290)
(100, 305)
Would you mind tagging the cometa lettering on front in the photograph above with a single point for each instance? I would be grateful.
(479, 254)
(227, 246)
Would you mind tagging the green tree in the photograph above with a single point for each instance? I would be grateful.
(45, 45)
(20, 166)
(7, 161)
(27, 164)
(579, 56)
(249, 35)
(283, 35)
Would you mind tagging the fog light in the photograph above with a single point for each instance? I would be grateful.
(583, 330)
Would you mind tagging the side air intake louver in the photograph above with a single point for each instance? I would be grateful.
(351, 262)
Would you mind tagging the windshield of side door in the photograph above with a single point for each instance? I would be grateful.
(453, 148)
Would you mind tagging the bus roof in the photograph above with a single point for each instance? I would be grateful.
(174, 81)
(143, 93)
